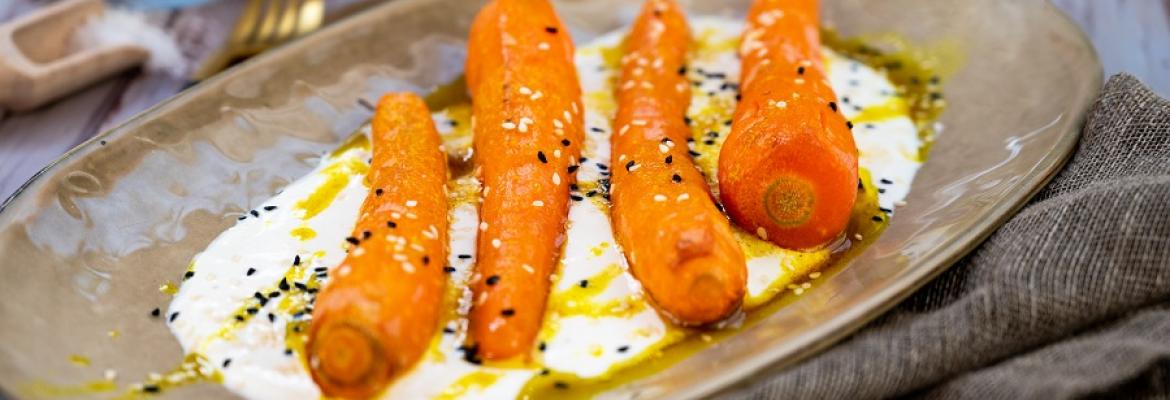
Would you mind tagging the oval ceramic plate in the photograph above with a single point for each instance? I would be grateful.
(86, 243)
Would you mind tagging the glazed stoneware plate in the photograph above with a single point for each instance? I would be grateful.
(86, 243)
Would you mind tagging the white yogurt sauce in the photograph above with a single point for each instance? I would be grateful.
(597, 319)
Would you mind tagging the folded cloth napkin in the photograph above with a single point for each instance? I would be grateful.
(1068, 299)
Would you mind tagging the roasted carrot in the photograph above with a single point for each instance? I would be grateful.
(678, 245)
(377, 315)
(527, 137)
(788, 170)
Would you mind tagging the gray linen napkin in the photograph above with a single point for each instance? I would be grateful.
(1069, 299)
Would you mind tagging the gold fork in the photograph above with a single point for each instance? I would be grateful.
(262, 25)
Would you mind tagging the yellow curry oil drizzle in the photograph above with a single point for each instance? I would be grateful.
(916, 71)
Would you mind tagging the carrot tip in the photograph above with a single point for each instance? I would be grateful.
(348, 361)
(789, 201)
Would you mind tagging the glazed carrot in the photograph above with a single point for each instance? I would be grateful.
(679, 246)
(377, 315)
(528, 117)
(788, 170)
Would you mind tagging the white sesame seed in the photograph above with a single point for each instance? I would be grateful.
(663, 148)
(657, 63)
(543, 46)
(638, 122)
(408, 267)
(899, 203)
(537, 95)
(638, 71)
(568, 117)
(395, 215)
(858, 236)
(508, 125)
(399, 257)
(683, 197)
(524, 90)
(647, 85)
(111, 375)
(621, 157)
(799, 81)
(659, 197)
(526, 121)
(798, 291)
(763, 234)
(781, 104)
(576, 110)
(814, 275)
(628, 85)
(557, 123)
(523, 128)
(556, 179)
(805, 285)
(418, 247)
(411, 215)
(483, 226)
(496, 243)
(528, 268)
(538, 203)
(411, 203)
(681, 86)
(559, 132)
(623, 130)
(557, 153)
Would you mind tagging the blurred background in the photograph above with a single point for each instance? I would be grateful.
(188, 40)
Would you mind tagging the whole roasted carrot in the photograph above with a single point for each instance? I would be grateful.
(377, 315)
(528, 118)
(788, 170)
(679, 246)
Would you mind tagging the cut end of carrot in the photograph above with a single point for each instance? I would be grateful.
(789, 201)
(347, 361)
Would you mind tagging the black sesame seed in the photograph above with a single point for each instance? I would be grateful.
(602, 167)
(540, 156)
(727, 123)
(687, 120)
(669, 159)
(849, 124)
(709, 142)
(426, 260)
(885, 210)
(623, 349)
(682, 70)
(242, 217)
(151, 389)
(591, 193)
(583, 284)
(596, 129)
(713, 134)
(378, 191)
(561, 385)
(886, 181)
(103, 142)
(541, 346)
(448, 269)
(254, 213)
(448, 330)
(877, 218)
(288, 352)
(800, 70)
(573, 187)
(271, 317)
(260, 297)
(391, 224)
(239, 318)
(676, 178)
(155, 312)
(694, 153)
(738, 97)
(320, 269)
(252, 311)
(284, 284)
(833, 106)
(173, 316)
(366, 235)
(227, 362)
(573, 169)
(544, 372)
(508, 312)
(630, 165)
(365, 103)
(882, 190)
(273, 294)
(250, 272)
(936, 96)
(297, 259)
(550, 29)
(565, 142)
(300, 286)
(464, 256)
(188, 274)
(352, 240)
(576, 197)
(492, 280)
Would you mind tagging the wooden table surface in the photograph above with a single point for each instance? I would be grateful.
(1130, 35)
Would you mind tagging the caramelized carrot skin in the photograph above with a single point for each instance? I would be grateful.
(679, 246)
(789, 167)
(377, 315)
(528, 118)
